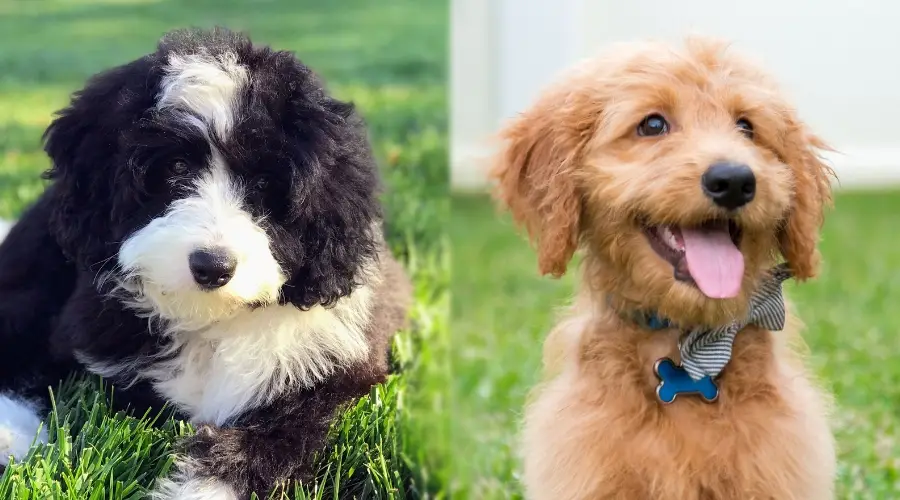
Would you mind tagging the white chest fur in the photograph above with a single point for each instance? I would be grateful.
(251, 358)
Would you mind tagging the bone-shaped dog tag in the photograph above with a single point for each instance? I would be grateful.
(674, 380)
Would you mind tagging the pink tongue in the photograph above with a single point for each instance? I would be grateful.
(716, 265)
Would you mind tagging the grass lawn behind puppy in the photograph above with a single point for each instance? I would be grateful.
(389, 58)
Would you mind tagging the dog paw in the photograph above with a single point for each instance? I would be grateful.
(184, 484)
(19, 424)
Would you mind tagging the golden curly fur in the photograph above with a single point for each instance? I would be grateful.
(574, 172)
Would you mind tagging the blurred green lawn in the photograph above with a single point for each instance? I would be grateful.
(389, 57)
(502, 311)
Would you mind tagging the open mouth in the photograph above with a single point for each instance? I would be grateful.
(706, 256)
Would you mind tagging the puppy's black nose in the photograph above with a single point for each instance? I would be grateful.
(729, 185)
(212, 268)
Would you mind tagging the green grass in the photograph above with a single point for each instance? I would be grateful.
(388, 57)
(502, 311)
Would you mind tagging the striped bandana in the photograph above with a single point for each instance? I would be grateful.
(707, 351)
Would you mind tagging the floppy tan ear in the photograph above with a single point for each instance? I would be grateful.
(799, 238)
(535, 176)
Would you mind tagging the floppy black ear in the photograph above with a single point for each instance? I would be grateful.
(337, 213)
(83, 143)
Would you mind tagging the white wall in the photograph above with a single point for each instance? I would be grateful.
(472, 82)
(837, 60)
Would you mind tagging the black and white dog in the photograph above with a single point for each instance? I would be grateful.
(211, 238)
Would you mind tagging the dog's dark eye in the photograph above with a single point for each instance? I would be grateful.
(653, 125)
(178, 167)
(745, 126)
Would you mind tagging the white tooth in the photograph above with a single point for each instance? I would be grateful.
(669, 238)
(674, 243)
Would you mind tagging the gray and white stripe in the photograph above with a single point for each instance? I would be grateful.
(705, 352)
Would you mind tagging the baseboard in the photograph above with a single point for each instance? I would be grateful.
(866, 168)
(468, 168)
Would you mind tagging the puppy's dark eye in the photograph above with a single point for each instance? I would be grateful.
(745, 127)
(653, 125)
(178, 167)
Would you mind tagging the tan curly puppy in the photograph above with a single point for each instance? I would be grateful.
(683, 175)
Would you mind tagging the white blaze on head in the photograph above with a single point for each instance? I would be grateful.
(205, 88)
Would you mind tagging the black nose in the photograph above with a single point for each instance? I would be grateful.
(729, 185)
(212, 268)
